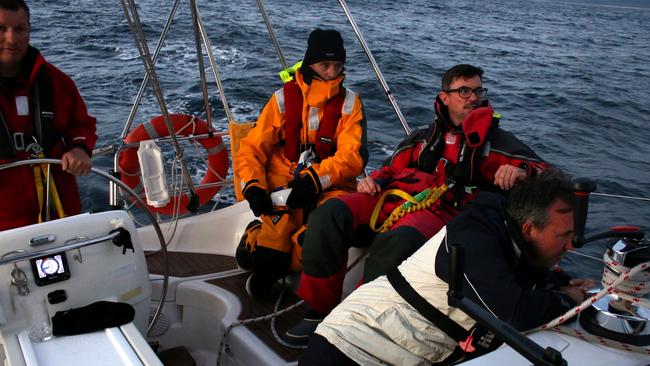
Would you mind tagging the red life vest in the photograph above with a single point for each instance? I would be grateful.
(325, 143)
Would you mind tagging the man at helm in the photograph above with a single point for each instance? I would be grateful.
(41, 115)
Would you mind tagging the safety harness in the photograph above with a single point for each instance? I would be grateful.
(37, 145)
(325, 143)
(45, 186)
(456, 160)
(420, 201)
(471, 343)
(43, 131)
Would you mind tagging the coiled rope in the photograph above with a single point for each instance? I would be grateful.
(420, 201)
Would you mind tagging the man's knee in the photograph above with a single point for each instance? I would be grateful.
(327, 238)
(329, 213)
(329, 223)
(265, 246)
(404, 239)
(389, 249)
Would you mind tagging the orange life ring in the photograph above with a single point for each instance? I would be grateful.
(184, 125)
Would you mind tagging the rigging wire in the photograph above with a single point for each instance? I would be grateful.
(199, 59)
(133, 19)
(213, 66)
(145, 81)
(269, 27)
(375, 67)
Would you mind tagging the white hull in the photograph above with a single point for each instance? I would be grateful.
(196, 313)
(575, 351)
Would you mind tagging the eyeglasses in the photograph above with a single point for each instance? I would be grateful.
(465, 92)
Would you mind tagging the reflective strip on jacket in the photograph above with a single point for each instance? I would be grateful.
(261, 154)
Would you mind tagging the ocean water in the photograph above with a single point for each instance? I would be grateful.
(572, 80)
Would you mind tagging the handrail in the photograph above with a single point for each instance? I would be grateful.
(375, 68)
(152, 219)
(167, 139)
(53, 250)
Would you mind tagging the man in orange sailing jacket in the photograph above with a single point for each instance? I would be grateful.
(438, 169)
(38, 104)
(312, 115)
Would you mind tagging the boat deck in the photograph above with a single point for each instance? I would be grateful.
(253, 308)
(182, 264)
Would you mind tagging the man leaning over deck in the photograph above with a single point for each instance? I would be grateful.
(312, 115)
(509, 246)
(463, 149)
(38, 104)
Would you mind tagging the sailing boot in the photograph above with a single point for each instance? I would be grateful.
(246, 248)
(300, 333)
(260, 284)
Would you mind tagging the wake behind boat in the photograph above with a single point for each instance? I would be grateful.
(180, 275)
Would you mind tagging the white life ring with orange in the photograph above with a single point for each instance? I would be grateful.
(184, 125)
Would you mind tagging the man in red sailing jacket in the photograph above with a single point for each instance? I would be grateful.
(40, 109)
(312, 113)
(437, 169)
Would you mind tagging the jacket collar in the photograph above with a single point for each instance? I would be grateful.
(30, 67)
(442, 115)
(319, 91)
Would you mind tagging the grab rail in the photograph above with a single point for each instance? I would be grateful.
(53, 250)
(152, 219)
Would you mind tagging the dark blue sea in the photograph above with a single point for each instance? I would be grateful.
(570, 79)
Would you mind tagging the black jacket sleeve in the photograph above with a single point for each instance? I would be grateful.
(495, 278)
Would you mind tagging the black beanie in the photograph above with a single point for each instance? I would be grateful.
(324, 45)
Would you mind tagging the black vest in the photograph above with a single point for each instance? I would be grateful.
(42, 120)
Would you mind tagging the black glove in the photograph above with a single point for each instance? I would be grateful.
(93, 317)
(304, 189)
(259, 200)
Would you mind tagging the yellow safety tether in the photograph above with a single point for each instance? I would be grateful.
(41, 174)
(421, 201)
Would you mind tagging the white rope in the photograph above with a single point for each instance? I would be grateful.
(629, 285)
(273, 321)
(272, 316)
(588, 337)
(585, 255)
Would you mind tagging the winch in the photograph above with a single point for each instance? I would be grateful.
(623, 313)
(622, 316)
